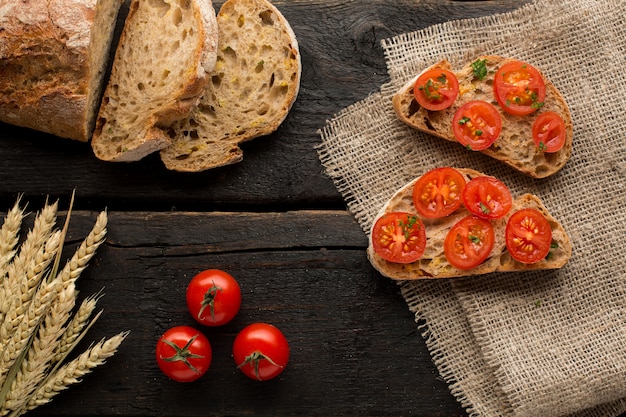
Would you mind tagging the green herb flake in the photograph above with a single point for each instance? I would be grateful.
(479, 68)
(474, 239)
(479, 133)
(464, 120)
(484, 209)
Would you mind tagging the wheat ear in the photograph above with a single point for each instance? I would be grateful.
(71, 372)
(75, 328)
(18, 287)
(33, 276)
(9, 237)
(85, 252)
(41, 351)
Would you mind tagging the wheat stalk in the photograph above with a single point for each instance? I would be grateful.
(71, 372)
(37, 330)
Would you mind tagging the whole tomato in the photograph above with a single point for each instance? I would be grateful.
(213, 297)
(261, 351)
(183, 353)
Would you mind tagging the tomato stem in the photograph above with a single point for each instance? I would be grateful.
(253, 360)
(182, 354)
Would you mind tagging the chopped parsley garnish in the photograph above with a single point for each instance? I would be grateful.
(479, 68)
(474, 239)
(464, 120)
(484, 208)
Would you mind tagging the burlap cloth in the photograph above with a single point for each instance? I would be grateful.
(521, 344)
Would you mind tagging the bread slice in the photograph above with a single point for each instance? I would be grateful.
(434, 264)
(253, 87)
(159, 72)
(53, 58)
(515, 146)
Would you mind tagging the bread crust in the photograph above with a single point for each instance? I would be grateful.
(252, 89)
(515, 146)
(434, 265)
(52, 61)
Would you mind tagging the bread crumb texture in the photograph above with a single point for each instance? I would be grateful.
(157, 77)
(254, 84)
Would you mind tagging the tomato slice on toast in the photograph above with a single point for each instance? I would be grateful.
(399, 237)
(469, 242)
(528, 236)
(549, 132)
(487, 197)
(436, 89)
(437, 193)
(519, 88)
(476, 125)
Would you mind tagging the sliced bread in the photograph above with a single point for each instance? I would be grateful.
(253, 87)
(515, 146)
(159, 72)
(434, 264)
(53, 58)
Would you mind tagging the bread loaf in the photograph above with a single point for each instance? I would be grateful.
(434, 264)
(254, 84)
(53, 58)
(515, 146)
(159, 72)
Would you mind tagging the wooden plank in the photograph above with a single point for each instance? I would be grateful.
(342, 63)
(355, 347)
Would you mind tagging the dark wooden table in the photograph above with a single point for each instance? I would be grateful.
(275, 222)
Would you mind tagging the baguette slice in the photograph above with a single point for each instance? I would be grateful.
(159, 72)
(53, 57)
(515, 146)
(434, 264)
(253, 87)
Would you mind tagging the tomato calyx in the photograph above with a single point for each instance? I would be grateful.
(208, 301)
(253, 360)
(183, 354)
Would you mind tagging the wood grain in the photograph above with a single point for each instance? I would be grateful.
(274, 221)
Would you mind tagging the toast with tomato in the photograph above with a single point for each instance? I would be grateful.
(505, 108)
(459, 222)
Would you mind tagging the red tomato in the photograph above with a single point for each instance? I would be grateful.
(437, 193)
(476, 125)
(183, 354)
(213, 297)
(436, 89)
(549, 132)
(399, 237)
(528, 236)
(487, 197)
(519, 88)
(469, 242)
(261, 351)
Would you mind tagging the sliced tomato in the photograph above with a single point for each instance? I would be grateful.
(469, 242)
(528, 236)
(487, 197)
(399, 237)
(436, 89)
(476, 125)
(437, 193)
(549, 132)
(519, 88)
